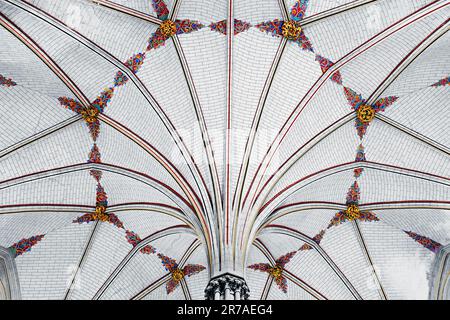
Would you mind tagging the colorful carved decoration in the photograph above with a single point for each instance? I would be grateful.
(317, 238)
(101, 198)
(168, 28)
(425, 241)
(342, 216)
(353, 98)
(134, 240)
(94, 129)
(442, 83)
(288, 29)
(178, 274)
(135, 62)
(70, 104)
(6, 82)
(365, 113)
(353, 194)
(382, 103)
(161, 9)
(276, 271)
(25, 245)
(221, 26)
(89, 114)
(352, 212)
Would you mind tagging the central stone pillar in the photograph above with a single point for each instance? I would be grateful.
(227, 287)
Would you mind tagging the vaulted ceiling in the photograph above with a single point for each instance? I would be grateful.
(303, 145)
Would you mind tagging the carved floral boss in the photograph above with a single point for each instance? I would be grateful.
(178, 274)
(353, 212)
(365, 112)
(276, 271)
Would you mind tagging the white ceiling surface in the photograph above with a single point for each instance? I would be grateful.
(52, 170)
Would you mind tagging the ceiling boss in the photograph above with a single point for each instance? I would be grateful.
(168, 28)
(365, 113)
